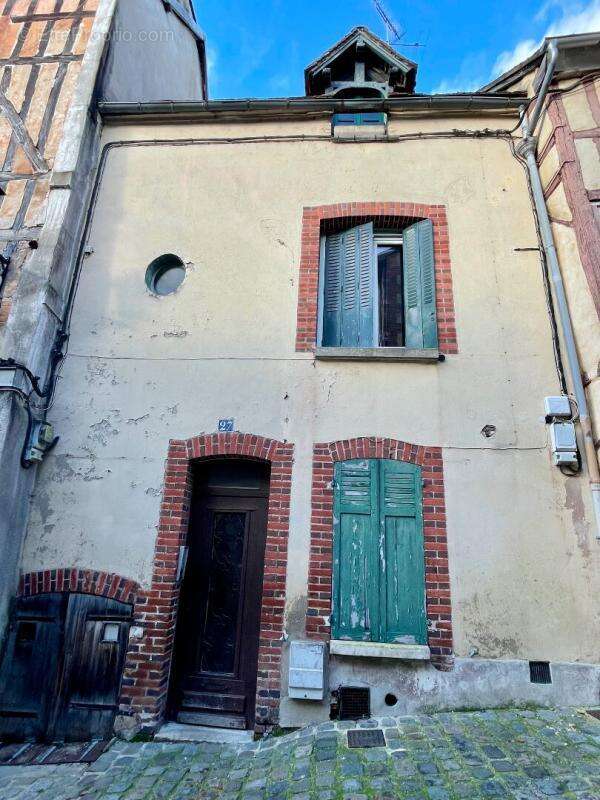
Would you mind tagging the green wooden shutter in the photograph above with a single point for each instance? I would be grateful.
(419, 285)
(378, 553)
(350, 289)
(355, 558)
(402, 588)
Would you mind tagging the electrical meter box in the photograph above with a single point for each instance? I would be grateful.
(306, 677)
(564, 443)
(40, 439)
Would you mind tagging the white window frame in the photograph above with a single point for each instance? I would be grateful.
(392, 240)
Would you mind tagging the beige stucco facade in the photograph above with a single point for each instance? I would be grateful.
(523, 558)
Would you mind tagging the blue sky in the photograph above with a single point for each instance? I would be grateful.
(259, 48)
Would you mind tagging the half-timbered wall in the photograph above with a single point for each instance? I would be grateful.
(569, 159)
(42, 43)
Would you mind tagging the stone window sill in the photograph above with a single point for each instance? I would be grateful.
(426, 356)
(408, 652)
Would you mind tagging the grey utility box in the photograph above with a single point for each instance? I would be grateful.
(306, 680)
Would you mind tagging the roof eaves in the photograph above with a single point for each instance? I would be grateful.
(378, 44)
(514, 74)
(507, 79)
(302, 105)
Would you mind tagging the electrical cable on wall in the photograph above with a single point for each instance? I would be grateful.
(60, 350)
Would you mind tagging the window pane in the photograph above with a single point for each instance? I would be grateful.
(391, 305)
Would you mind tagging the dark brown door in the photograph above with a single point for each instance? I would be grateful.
(96, 635)
(219, 618)
(61, 673)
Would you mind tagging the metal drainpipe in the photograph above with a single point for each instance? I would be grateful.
(528, 150)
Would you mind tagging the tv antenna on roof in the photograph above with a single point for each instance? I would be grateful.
(393, 31)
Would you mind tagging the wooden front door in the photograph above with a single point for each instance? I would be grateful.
(219, 618)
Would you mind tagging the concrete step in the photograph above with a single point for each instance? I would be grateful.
(178, 732)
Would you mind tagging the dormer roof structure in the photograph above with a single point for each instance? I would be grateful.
(360, 65)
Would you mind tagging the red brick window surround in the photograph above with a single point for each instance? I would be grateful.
(147, 667)
(320, 570)
(319, 220)
(76, 580)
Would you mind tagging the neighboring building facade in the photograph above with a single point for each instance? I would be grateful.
(55, 57)
(567, 151)
(303, 401)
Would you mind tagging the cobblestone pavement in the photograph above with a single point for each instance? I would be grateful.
(487, 754)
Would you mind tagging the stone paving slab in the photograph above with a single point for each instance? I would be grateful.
(519, 754)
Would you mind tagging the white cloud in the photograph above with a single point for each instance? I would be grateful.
(212, 57)
(574, 18)
(457, 84)
(470, 76)
(545, 9)
(508, 58)
(585, 20)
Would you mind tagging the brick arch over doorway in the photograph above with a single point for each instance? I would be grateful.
(317, 220)
(320, 570)
(77, 580)
(146, 674)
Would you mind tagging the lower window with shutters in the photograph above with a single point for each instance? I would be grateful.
(378, 604)
(377, 293)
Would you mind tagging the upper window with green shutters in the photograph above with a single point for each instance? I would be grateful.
(377, 288)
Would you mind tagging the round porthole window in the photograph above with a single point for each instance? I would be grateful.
(165, 274)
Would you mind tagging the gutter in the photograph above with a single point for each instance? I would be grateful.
(302, 105)
(528, 150)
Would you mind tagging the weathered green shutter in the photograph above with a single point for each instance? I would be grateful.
(350, 289)
(419, 285)
(355, 563)
(378, 553)
(402, 592)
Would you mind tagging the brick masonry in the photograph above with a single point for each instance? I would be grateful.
(42, 43)
(318, 220)
(74, 579)
(437, 580)
(146, 674)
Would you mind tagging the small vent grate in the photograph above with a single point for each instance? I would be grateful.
(539, 672)
(371, 738)
(355, 702)
(593, 712)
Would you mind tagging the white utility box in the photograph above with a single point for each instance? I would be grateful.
(306, 676)
(558, 407)
(7, 377)
(564, 443)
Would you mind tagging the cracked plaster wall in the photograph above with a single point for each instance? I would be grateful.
(523, 560)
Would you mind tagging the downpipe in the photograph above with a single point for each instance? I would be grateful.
(528, 150)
